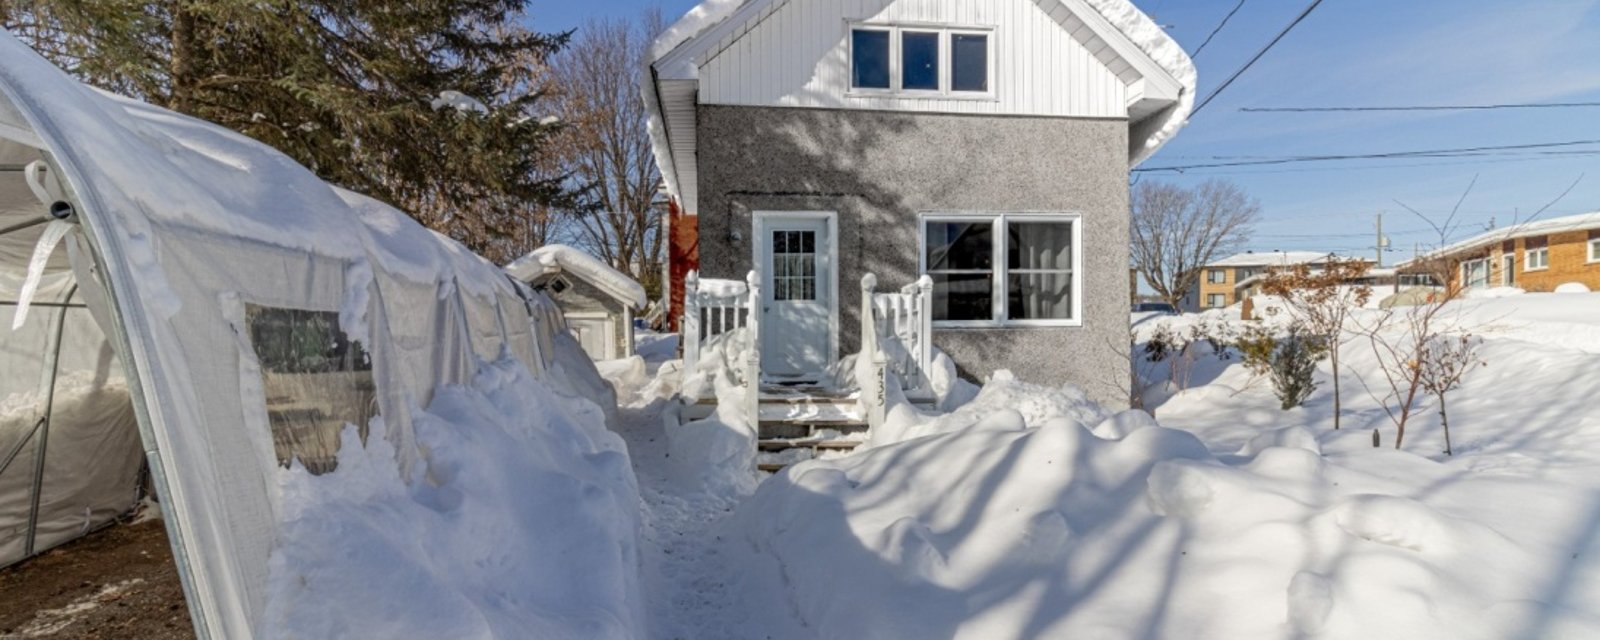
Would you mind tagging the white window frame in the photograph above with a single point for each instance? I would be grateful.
(1527, 258)
(1594, 250)
(1467, 267)
(1508, 270)
(1001, 266)
(946, 61)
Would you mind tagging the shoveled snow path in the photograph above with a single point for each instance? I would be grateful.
(686, 590)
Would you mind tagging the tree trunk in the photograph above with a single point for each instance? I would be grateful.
(1405, 413)
(183, 58)
(1336, 404)
(1445, 420)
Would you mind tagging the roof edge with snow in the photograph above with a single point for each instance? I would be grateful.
(1564, 224)
(556, 258)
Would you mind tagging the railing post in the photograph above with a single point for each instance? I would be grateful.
(752, 376)
(691, 322)
(875, 389)
(925, 329)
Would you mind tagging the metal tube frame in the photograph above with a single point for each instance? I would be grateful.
(41, 445)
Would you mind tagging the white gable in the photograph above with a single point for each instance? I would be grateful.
(799, 57)
(1057, 58)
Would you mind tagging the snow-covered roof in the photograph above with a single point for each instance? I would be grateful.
(1579, 222)
(557, 258)
(1273, 258)
(1120, 30)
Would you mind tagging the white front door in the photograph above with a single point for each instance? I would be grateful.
(796, 256)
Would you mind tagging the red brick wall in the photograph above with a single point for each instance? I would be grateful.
(683, 256)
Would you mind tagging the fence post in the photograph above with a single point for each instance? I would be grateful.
(691, 322)
(752, 376)
(925, 330)
(874, 390)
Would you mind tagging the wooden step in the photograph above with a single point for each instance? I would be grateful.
(824, 445)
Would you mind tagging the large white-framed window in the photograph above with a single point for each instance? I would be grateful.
(1216, 300)
(1216, 276)
(1536, 254)
(1594, 247)
(1003, 269)
(921, 60)
(1475, 273)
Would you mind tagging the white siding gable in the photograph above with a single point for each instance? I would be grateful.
(798, 56)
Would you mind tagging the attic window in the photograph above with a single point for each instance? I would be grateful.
(559, 284)
(921, 61)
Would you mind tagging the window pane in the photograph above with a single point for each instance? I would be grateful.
(1039, 245)
(919, 60)
(316, 381)
(970, 62)
(870, 66)
(1039, 296)
(963, 296)
(959, 245)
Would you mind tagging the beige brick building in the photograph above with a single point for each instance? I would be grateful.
(1534, 256)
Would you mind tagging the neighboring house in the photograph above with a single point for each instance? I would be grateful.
(598, 301)
(1535, 256)
(1235, 278)
(983, 143)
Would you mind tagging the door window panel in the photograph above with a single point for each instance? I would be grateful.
(794, 265)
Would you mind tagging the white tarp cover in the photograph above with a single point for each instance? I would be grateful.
(91, 461)
(209, 241)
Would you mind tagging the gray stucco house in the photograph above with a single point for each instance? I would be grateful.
(984, 143)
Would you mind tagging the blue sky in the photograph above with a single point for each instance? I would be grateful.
(1367, 53)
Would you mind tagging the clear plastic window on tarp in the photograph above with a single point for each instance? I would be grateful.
(316, 381)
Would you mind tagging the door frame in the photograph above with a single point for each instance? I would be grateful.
(760, 254)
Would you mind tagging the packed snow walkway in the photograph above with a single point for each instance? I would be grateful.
(693, 582)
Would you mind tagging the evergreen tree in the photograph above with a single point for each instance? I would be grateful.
(349, 89)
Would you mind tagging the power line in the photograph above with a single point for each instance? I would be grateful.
(1217, 30)
(1225, 84)
(1467, 107)
(1390, 167)
(1431, 153)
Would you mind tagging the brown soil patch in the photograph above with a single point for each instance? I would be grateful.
(119, 582)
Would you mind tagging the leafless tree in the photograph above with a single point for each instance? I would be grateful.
(1323, 299)
(1178, 230)
(607, 143)
(1442, 364)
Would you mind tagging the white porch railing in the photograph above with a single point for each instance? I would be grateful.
(713, 307)
(906, 318)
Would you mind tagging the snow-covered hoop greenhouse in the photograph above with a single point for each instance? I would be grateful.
(178, 294)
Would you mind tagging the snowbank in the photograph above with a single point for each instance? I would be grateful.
(1011, 529)
(523, 523)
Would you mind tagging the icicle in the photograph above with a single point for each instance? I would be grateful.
(53, 233)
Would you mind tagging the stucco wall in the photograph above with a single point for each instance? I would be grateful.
(878, 170)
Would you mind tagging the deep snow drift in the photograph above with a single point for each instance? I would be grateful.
(1030, 512)
(523, 523)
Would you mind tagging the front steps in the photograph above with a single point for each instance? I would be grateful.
(799, 423)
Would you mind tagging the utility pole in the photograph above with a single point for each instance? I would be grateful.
(1382, 242)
